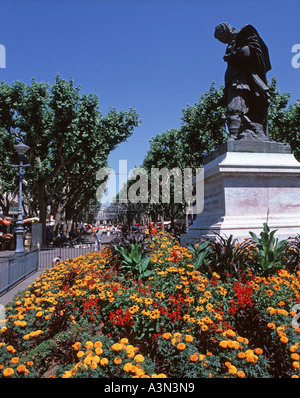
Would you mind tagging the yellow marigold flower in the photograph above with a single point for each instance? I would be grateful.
(67, 375)
(80, 354)
(189, 338)
(98, 344)
(127, 367)
(293, 348)
(98, 351)
(8, 372)
(89, 344)
(166, 336)
(159, 376)
(271, 325)
(103, 361)
(117, 347)
(229, 333)
(39, 314)
(223, 344)
(139, 358)
(76, 346)
(117, 361)
(130, 353)
(96, 359)
(232, 370)
(10, 348)
(177, 335)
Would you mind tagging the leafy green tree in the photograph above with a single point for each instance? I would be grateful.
(69, 138)
(203, 129)
(203, 126)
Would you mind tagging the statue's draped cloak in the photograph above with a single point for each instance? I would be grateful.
(258, 64)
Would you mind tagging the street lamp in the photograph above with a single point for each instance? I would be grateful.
(21, 149)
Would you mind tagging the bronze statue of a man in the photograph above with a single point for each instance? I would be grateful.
(246, 91)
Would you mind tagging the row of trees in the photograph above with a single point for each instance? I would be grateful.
(69, 141)
(203, 129)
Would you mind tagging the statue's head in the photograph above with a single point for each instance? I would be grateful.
(225, 32)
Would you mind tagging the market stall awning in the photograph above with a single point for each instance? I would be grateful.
(33, 219)
(4, 221)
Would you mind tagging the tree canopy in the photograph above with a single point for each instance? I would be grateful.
(69, 141)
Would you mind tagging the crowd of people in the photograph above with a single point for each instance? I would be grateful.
(85, 233)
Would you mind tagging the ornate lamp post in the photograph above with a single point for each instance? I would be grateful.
(21, 149)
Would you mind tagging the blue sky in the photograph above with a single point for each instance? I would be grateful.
(156, 56)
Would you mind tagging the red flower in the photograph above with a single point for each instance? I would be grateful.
(176, 256)
(118, 318)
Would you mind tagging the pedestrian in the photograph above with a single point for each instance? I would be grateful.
(98, 239)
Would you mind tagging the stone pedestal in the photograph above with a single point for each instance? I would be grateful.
(247, 184)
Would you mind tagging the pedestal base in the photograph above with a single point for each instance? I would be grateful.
(244, 189)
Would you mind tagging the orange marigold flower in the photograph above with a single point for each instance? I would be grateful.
(181, 346)
(223, 344)
(194, 357)
(258, 351)
(22, 369)
(295, 357)
(166, 336)
(8, 372)
(284, 339)
(296, 365)
(241, 374)
(117, 361)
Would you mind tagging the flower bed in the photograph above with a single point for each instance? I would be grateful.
(89, 318)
